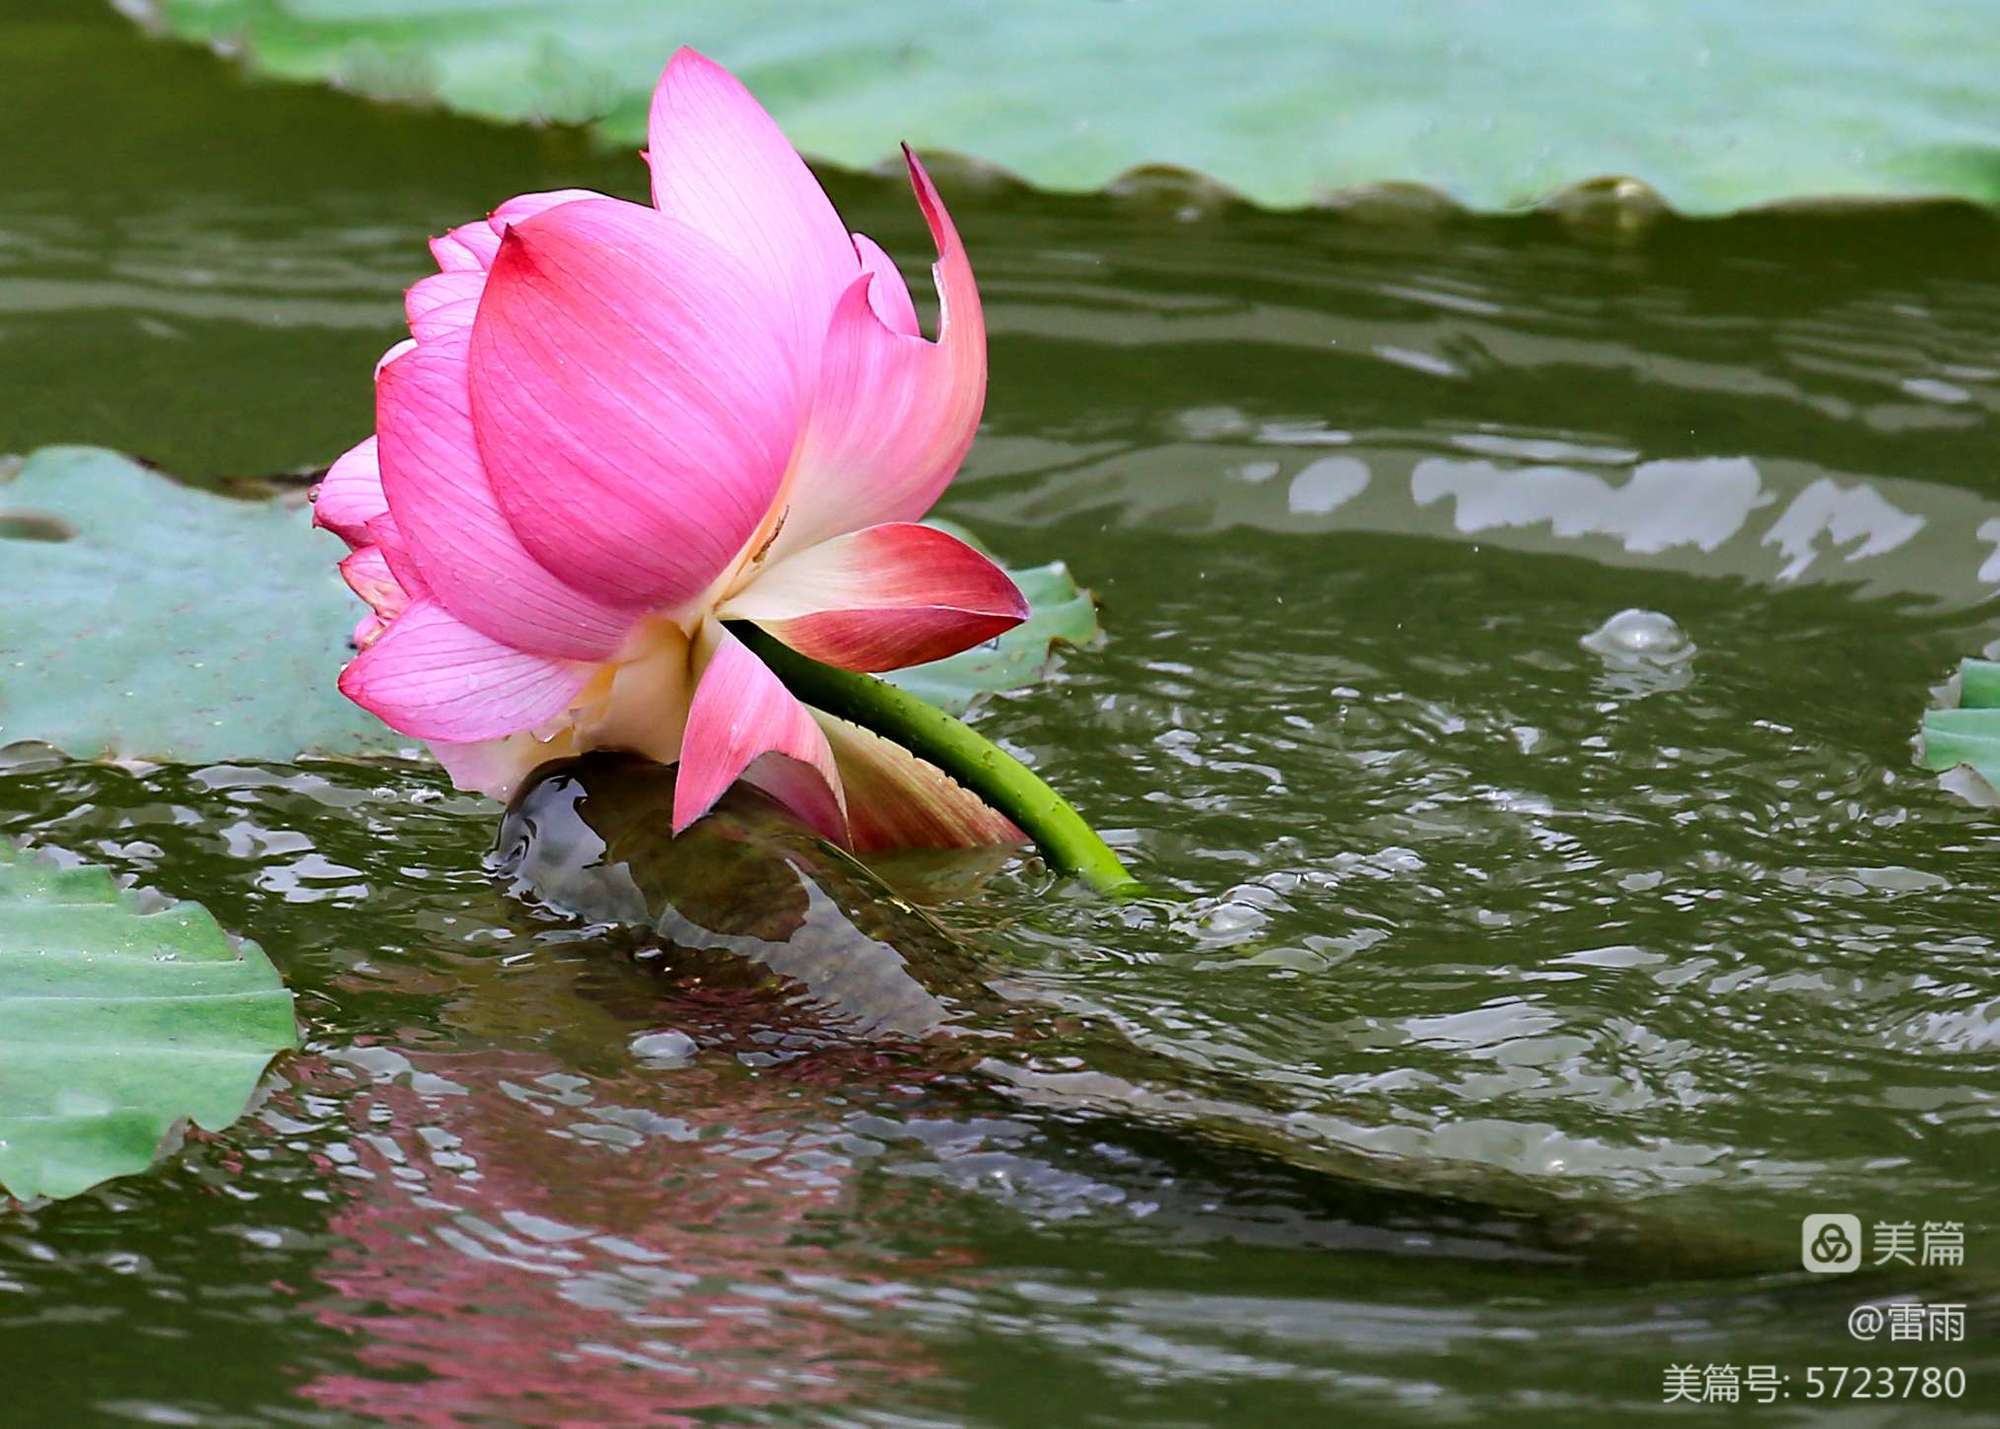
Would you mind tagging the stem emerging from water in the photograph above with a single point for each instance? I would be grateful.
(1069, 844)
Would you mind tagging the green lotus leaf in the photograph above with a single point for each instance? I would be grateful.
(1979, 684)
(1968, 734)
(119, 1022)
(149, 620)
(1716, 104)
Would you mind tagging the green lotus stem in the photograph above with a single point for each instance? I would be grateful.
(1069, 844)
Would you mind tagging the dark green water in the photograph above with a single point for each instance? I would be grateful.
(1698, 941)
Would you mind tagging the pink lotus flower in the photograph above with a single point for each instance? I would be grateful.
(616, 426)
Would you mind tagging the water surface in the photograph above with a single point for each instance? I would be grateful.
(1693, 938)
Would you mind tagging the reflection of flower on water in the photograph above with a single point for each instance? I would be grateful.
(521, 1240)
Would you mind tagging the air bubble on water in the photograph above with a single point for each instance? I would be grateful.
(1633, 636)
(1228, 921)
(1644, 653)
(663, 1051)
(28, 756)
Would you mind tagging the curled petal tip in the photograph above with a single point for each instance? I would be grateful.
(893, 414)
(883, 598)
(920, 179)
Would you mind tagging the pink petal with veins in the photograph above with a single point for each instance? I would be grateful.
(721, 165)
(387, 537)
(434, 677)
(803, 791)
(889, 295)
(448, 299)
(741, 712)
(882, 598)
(522, 207)
(472, 247)
(468, 248)
(635, 409)
(443, 303)
(896, 800)
(396, 350)
(367, 574)
(349, 496)
(892, 414)
(445, 509)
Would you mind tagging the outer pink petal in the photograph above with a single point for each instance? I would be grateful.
(445, 509)
(350, 494)
(740, 713)
(889, 295)
(893, 415)
(882, 598)
(387, 537)
(472, 247)
(448, 300)
(802, 789)
(396, 350)
(896, 800)
(522, 207)
(367, 574)
(635, 410)
(443, 303)
(468, 248)
(721, 165)
(434, 677)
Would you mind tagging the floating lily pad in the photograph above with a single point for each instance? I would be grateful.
(1059, 612)
(1717, 104)
(1969, 734)
(118, 1023)
(145, 619)
(150, 620)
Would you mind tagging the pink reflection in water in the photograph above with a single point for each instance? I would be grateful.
(523, 1243)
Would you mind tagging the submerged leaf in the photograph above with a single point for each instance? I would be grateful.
(118, 1023)
(164, 622)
